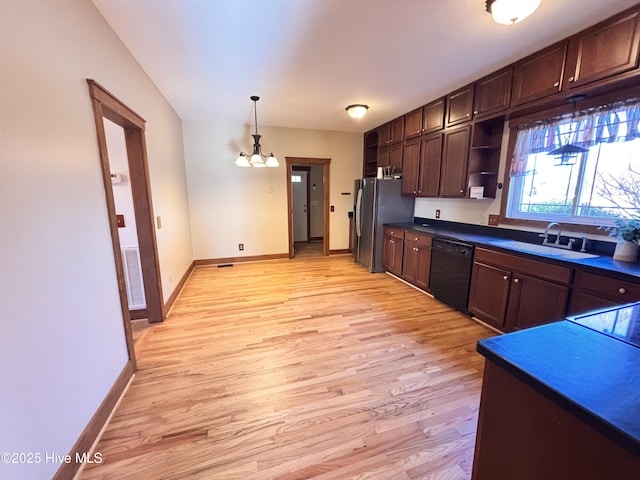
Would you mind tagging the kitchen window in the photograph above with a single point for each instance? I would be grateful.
(597, 184)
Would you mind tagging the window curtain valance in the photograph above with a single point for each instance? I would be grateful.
(619, 122)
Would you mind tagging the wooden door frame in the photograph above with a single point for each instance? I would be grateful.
(106, 105)
(298, 168)
(326, 164)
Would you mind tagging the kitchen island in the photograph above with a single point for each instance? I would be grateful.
(562, 401)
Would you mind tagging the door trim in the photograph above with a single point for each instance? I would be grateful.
(105, 105)
(326, 164)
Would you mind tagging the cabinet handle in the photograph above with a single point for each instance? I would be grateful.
(516, 280)
(506, 277)
(571, 79)
(475, 112)
(557, 84)
(468, 115)
(461, 190)
(622, 290)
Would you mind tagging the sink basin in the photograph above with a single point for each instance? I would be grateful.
(544, 250)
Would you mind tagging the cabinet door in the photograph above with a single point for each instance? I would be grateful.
(410, 167)
(396, 130)
(583, 302)
(392, 255)
(430, 161)
(608, 49)
(459, 106)
(384, 134)
(413, 123)
(410, 262)
(539, 75)
(534, 302)
(489, 294)
(395, 156)
(423, 267)
(416, 264)
(433, 116)
(493, 93)
(455, 155)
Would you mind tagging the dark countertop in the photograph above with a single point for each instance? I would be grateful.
(481, 236)
(587, 364)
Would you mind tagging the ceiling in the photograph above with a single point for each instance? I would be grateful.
(309, 59)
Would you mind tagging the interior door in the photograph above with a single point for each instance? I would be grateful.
(299, 186)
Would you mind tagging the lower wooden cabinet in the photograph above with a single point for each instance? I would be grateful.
(506, 298)
(392, 250)
(593, 291)
(524, 435)
(416, 261)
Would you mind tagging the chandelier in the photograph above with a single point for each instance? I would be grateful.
(257, 158)
(508, 12)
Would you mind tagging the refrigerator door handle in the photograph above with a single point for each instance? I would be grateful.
(358, 213)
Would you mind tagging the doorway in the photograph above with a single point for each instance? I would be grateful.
(107, 106)
(308, 204)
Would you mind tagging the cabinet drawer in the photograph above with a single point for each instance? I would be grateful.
(618, 290)
(394, 232)
(421, 239)
(534, 268)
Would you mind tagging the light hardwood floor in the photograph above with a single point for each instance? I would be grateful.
(304, 368)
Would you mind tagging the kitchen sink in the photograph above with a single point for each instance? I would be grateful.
(543, 250)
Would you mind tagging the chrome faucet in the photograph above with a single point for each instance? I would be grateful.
(556, 244)
(546, 233)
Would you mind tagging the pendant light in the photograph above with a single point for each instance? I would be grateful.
(257, 158)
(568, 154)
(508, 12)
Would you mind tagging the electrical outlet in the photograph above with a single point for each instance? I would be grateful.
(438, 213)
(494, 220)
(241, 246)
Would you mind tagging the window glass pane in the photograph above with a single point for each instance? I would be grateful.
(296, 178)
(611, 185)
(546, 189)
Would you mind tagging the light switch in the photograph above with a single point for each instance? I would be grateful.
(159, 222)
(120, 221)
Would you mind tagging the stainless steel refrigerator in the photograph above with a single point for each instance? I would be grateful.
(377, 201)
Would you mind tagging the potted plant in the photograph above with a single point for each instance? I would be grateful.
(628, 232)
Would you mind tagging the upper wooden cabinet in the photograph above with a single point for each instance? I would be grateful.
(492, 93)
(455, 156)
(459, 106)
(539, 75)
(421, 166)
(370, 153)
(391, 132)
(390, 138)
(426, 119)
(413, 124)
(607, 49)
(433, 116)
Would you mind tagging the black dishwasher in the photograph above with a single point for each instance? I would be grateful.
(451, 264)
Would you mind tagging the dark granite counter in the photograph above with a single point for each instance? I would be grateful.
(481, 236)
(589, 365)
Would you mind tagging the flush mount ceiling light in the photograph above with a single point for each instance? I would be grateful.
(508, 12)
(357, 110)
(257, 158)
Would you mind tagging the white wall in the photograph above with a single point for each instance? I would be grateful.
(62, 342)
(231, 205)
